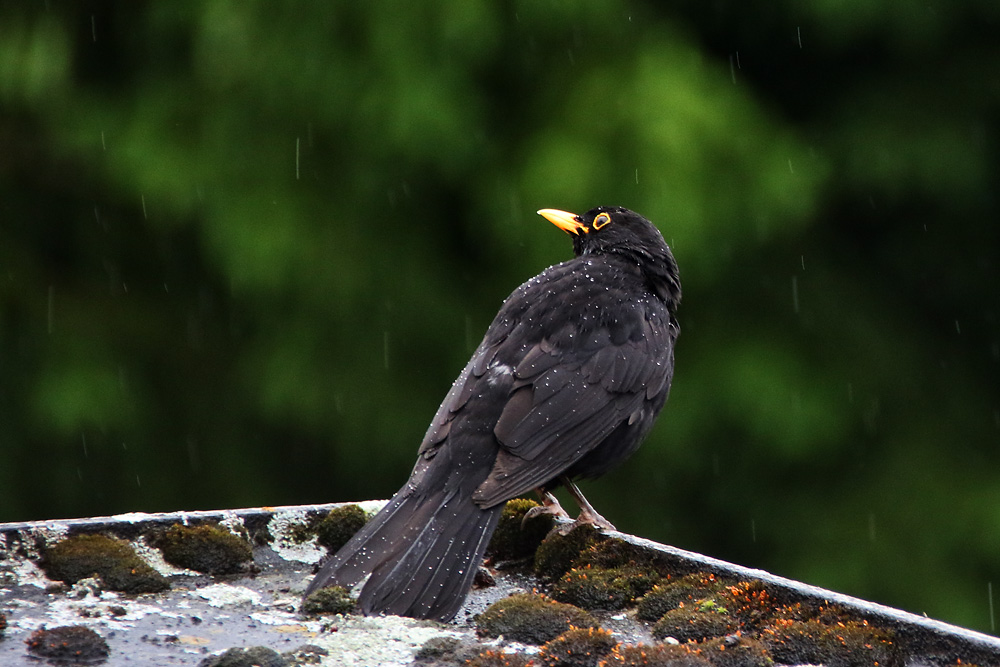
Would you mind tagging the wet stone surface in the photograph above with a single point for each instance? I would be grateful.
(257, 603)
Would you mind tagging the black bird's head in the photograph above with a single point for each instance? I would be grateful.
(617, 230)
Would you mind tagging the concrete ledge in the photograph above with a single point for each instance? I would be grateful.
(204, 614)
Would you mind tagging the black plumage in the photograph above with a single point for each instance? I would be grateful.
(566, 384)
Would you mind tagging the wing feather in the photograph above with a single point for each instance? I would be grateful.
(561, 413)
(561, 375)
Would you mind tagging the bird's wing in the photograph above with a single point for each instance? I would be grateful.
(555, 376)
(469, 382)
(569, 394)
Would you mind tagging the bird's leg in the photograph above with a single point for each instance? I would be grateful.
(587, 512)
(550, 505)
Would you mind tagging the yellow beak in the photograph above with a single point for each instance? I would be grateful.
(568, 222)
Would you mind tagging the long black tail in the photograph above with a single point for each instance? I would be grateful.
(422, 550)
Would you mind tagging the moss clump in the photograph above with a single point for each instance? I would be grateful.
(329, 600)
(558, 553)
(74, 644)
(499, 659)
(437, 648)
(441, 651)
(578, 647)
(339, 525)
(670, 593)
(655, 655)
(255, 656)
(750, 602)
(844, 644)
(306, 654)
(736, 651)
(515, 538)
(695, 622)
(206, 548)
(598, 588)
(615, 552)
(531, 619)
(113, 560)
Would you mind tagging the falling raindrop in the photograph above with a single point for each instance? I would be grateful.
(989, 592)
(795, 294)
(51, 307)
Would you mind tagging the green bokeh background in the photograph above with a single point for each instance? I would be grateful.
(245, 247)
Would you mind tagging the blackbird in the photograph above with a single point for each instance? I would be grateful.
(566, 384)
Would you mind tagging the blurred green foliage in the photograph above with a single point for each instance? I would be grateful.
(246, 247)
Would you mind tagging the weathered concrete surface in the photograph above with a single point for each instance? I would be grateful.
(204, 615)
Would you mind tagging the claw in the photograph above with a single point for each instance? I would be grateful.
(588, 515)
(550, 506)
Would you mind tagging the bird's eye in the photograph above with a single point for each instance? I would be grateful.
(601, 220)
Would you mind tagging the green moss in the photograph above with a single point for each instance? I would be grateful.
(695, 622)
(339, 526)
(597, 588)
(444, 651)
(206, 548)
(329, 600)
(75, 644)
(669, 593)
(578, 647)
(306, 654)
(113, 560)
(655, 655)
(437, 648)
(615, 552)
(558, 553)
(254, 656)
(515, 538)
(750, 602)
(844, 644)
(736, 650)
(530, 618)
(493, 658)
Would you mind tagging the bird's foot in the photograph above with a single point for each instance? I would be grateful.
(550, 507)
(585, 519)
(590, 517)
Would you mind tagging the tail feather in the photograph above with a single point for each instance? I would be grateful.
(422, 552)
(360, 555)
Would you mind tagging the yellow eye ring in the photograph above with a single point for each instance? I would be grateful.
(602, 220)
